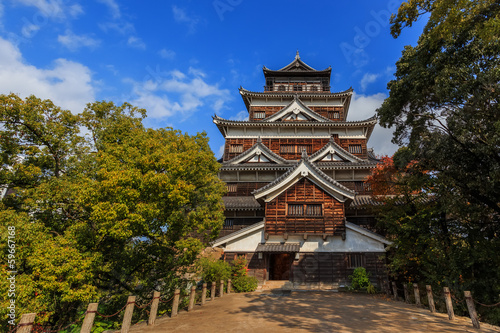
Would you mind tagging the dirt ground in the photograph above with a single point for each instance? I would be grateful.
(309, 311)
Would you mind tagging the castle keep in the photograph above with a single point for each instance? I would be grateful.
(295, 171)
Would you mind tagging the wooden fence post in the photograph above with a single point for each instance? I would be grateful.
(175, 305)
(417, 294)
(89, 318)
(407, 295)
(432, 307)
(154, 308)
(26, 323)
(449, 304)
(395, 290)
(387, 288)
(127, 317)
(212, 291)
(229, 286)
(191, 298)
(204, 294)
(221, 289)
(472, 309)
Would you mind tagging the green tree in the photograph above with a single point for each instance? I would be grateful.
(135, 205)
(443, 103)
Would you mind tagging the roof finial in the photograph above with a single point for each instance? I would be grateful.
(297, 56)
(259, 140)
(304, 154)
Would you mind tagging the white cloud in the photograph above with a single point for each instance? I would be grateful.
(68, 84)
(221, 152)
(167, 94)
(241, 116)
(122, 27)
(363, 107)
(180, 16)
(113, 8)
(74, 42)
(136, 42)
(53, 8)
(167, 54)
(367, 79)
(29, 28)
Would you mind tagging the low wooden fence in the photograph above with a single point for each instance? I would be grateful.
(447, 296)
(27, 320)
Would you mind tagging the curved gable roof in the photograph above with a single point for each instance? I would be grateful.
(297, 107)
(333, 148)
(257, 149)
(304, 169)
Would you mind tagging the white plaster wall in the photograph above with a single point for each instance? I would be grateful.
(247, 243)
(354, 242)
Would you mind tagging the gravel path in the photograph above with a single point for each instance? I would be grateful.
(311, 311)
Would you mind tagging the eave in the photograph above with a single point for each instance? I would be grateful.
(247, 95)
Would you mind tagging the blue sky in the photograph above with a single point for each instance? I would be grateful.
(185, 60)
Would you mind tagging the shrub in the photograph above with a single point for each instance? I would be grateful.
(239, 277)
(244, 284)
(214, 271)
(360, 280)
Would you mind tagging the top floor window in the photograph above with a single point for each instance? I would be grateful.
(281, 87)
(297, 87)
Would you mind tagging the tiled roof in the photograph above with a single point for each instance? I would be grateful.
(240, 232)
(241, 202)
(278, 248)
(306, 161)
(332, 142)
(370, 121)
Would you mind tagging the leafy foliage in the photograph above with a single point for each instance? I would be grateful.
(360, 279)
(240, 279)
(443, 103)
(120, 209)
(214, 270)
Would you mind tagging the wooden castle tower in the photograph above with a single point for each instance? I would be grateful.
(295, 176)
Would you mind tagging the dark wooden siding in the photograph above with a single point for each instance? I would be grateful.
(275, 145)
(304, 191)
(333, 268)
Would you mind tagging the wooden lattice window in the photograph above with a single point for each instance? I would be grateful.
(281, 88)
(355, 149)
(314, 210)
(314, 88)
(236, 148)
(308, 149)
(287, 149)
(333, 115)
(356, 260)
(297, 87)
(259, 115)
(295, 209)
(228, 224)
(305, 209)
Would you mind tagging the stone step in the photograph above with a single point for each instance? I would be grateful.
(277, 284)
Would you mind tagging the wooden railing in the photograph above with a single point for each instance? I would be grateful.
(27, 320)
(447, 296)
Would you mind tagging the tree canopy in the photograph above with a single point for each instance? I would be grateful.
(103, 206)
(444, 209)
